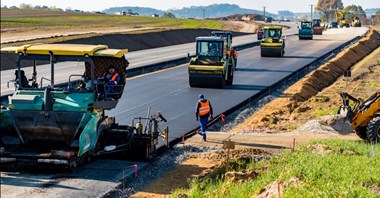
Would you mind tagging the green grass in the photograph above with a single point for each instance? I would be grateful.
(85, 21)
(330, 168)
(328, 111)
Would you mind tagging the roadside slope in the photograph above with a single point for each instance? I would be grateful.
(286, 112)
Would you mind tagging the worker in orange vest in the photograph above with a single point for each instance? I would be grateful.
(203, 112)
(110, 77)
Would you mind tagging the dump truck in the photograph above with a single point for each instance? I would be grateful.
(356, 22)
(273, 44)
(341, 19)
(317, 28)
(305, 31)
(65, 125)
(230, 50)
(212, 66)
(364, 116)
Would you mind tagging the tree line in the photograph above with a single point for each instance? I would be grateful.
(327, 9)
(25, 6)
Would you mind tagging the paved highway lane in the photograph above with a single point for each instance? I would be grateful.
(168, 91)
(136, 59)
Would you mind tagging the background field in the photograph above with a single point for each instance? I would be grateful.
(27, 20)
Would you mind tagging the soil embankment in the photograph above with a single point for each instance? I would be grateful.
(132, 42)
(282, 113)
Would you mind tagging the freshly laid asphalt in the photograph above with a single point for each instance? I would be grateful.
(168, 91)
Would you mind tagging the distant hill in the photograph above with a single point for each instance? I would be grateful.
(211, 11)
(370, 12)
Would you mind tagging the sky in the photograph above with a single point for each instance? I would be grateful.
(271, 5)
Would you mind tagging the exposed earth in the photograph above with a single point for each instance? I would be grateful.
(314, 119)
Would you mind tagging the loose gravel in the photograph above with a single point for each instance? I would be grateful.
(156, 169)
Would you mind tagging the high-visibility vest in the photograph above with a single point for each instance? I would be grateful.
(114, 76)
(204, 109)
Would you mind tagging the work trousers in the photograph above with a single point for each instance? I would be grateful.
(203, 126)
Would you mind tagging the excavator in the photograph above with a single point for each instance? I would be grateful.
(212, 66)
(341, 19)
(364, 116)
(65, 125)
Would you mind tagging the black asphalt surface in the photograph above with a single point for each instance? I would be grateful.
(168, 91)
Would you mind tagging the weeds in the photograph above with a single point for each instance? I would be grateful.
(338, 169)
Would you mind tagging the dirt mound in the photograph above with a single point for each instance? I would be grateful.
(234, 154)
(241, 176)
(285, 109)
(149, 40)
(243, 17)
(330, 71)
(329, 123)
(276, 188)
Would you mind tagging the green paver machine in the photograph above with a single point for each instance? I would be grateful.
(66, 125)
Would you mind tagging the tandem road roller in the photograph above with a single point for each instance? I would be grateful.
(212, 66)
(273, 44)
(305, 31)
(66, 125)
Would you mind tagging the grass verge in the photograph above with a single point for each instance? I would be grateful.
(329, 168)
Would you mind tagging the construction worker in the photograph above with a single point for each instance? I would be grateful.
(213, 49)
(203, 111)
(110, 78)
